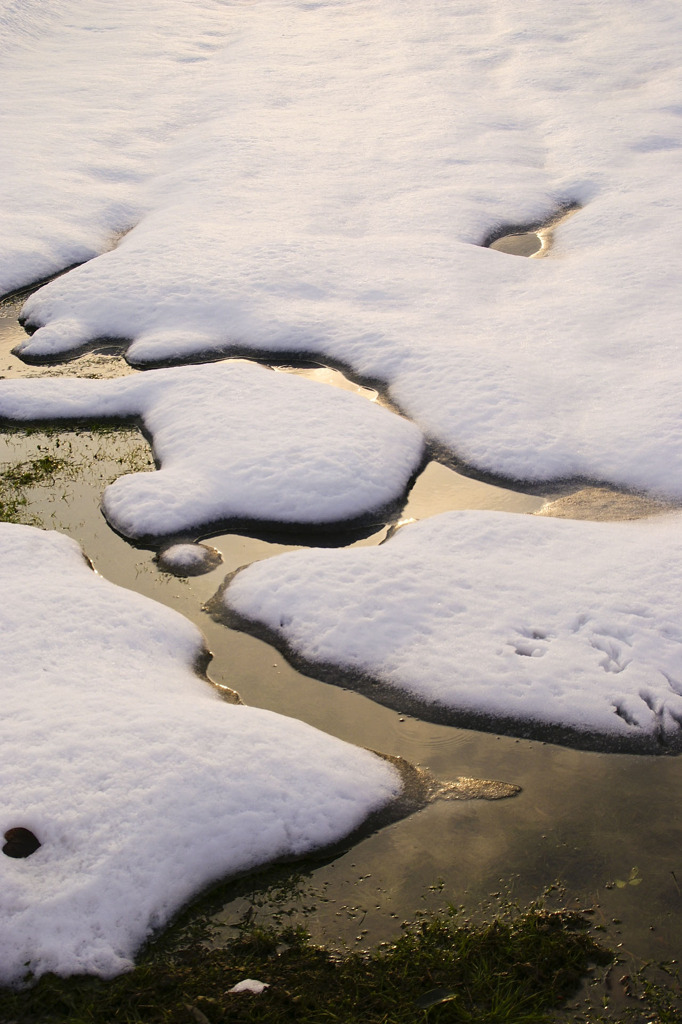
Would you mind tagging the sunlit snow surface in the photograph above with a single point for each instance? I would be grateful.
(91, 92)
(141, 784)
(564, 630)
(236, 441)
(319, 177)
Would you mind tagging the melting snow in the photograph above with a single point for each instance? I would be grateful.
(239, 442)
(140, 783)
(318, 178)
(547, 627)
(189, 559)
(250, 985)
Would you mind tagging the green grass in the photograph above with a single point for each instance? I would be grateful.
(657, 988)
(57, 455)
(514, 969)
(16, 478)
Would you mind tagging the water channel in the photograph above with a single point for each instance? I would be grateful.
(585, 818)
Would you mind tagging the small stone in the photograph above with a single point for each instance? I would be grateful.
(20, 842)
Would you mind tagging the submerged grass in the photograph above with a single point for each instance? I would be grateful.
(515, 969)
(58, 456)
(16, 478)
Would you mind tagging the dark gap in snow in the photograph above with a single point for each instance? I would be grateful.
(622, 713)
(649, 701)
(674, 684)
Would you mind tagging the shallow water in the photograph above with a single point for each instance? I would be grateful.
(526, 243)
(585, 818)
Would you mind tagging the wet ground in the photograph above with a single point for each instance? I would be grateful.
(588, 819)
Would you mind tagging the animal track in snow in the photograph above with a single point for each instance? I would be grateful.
(613, 660)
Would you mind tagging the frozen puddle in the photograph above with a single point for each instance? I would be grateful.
(605, 504)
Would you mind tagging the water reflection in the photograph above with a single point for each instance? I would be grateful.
(328, 375)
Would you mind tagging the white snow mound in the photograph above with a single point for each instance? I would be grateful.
(189, 559)
(140, 783)
(250, 985)
(236, 441)
(532, 623)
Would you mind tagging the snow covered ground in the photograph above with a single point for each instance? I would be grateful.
(319, 177)
(140, 783)
(559, 629)
(90, 95)
(236, 441)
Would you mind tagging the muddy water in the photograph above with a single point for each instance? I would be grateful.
(585, 818)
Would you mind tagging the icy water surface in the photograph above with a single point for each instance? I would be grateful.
(586, 818)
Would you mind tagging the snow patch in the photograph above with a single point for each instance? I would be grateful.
(140, 784)
(189, 559)
(536, 625)
(236, 441)
(250, 985)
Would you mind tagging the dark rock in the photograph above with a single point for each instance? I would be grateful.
(20, 843)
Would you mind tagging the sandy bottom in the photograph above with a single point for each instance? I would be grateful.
(605, 504)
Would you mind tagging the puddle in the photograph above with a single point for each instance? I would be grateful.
(583, 817)
(104, 362)
(527, 243)
(439, 489)
(531, 240)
